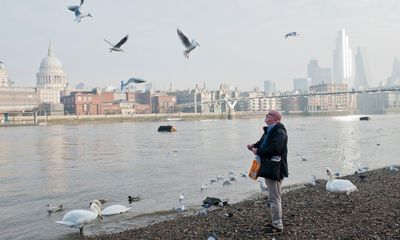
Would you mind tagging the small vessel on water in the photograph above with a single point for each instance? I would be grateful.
(166, 128)
(365, 118)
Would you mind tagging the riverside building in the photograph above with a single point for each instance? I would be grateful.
(52, 84)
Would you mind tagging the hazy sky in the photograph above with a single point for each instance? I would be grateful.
(241, 42)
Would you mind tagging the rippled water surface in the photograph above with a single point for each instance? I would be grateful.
(74, 164)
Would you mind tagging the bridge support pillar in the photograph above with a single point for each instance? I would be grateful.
(231, 108)
(35, 119)
(231, 114)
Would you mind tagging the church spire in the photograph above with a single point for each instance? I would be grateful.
(50, 52)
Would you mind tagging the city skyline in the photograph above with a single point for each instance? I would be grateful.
(241, 43)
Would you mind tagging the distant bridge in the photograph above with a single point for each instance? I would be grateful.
(18, 108)
(290, 95)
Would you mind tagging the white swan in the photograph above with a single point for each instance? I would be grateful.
(78, 218)
(114, 209)
(339, 185)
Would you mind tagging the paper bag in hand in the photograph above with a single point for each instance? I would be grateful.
(255, 167)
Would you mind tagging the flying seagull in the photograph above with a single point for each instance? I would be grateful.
(131, 80)
(78, 14)
(117, 47)
(189, 45)
(291, 34)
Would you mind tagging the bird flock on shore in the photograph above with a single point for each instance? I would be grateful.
(79, 217)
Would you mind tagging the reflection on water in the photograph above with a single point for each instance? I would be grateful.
(73, 164)
(54, 168)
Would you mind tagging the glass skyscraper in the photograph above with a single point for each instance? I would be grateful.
(342, 59)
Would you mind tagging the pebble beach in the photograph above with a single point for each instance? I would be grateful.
(373, 212)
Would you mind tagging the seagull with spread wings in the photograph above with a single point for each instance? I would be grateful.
(131, 80)
(117, 47)
(291, 34)
(78, 14)
(189, 45)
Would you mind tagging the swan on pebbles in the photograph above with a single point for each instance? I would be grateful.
(114, 209)
(111, 210)
(340, 186)
(78, 218)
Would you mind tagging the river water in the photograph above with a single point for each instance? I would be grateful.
(73, 164)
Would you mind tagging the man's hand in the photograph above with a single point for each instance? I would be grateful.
(254, 150)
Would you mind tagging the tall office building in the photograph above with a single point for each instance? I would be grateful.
(342, 59)
(301, 84)
(317, 74)
(362, 70)
(313, 72)
(394, 79)
(269, 86)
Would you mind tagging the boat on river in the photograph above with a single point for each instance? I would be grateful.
(166, 128)
(365, 118)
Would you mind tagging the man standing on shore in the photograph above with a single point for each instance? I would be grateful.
(272, 149)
